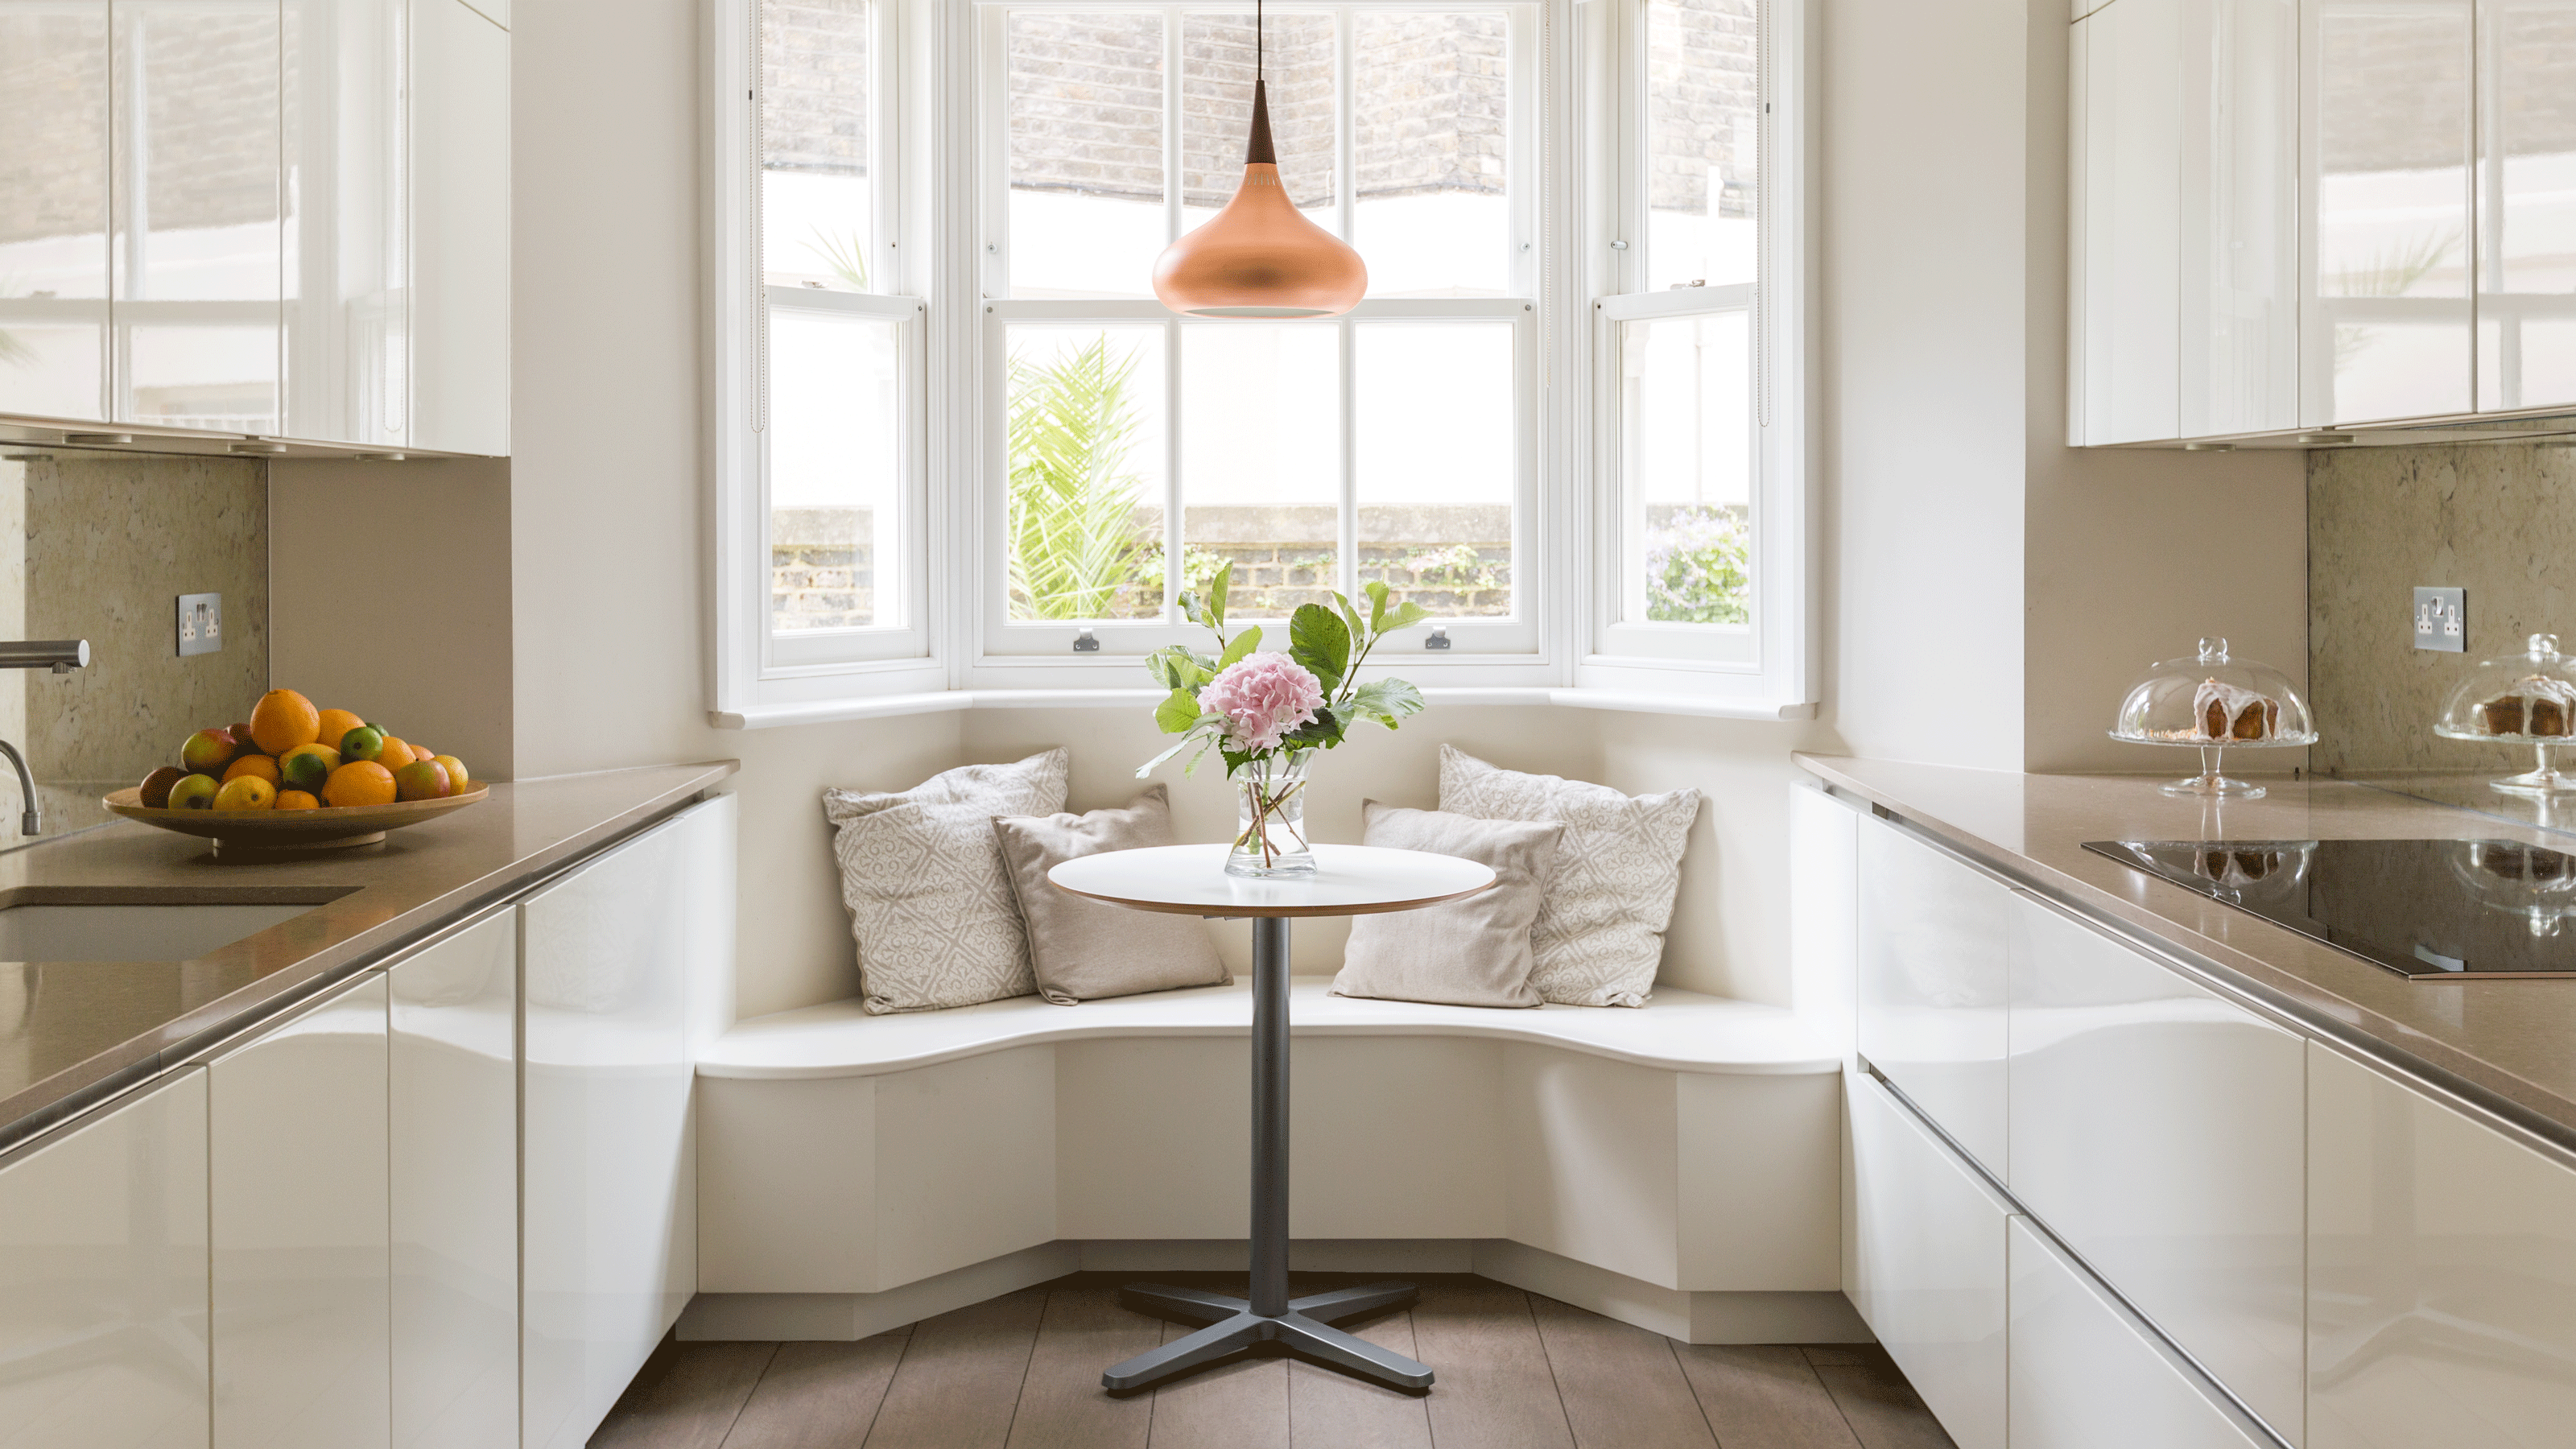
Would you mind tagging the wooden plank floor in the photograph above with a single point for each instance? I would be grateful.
(1516, 1371)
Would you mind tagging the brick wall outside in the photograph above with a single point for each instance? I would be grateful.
(814, 69)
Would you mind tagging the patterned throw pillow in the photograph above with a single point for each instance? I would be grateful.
(1600, 928)
(929, 897)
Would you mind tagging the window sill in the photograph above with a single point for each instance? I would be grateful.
(776, 716)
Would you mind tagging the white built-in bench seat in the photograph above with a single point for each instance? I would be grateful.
(1676, 1165)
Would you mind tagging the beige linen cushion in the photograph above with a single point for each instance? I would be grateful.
(1472, 952)
(1084, 950)
(1600, 929)
(929, 900)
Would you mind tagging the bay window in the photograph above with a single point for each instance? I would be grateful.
(963, 448)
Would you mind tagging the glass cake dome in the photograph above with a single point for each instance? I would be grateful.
(2213, 703)
(2521, 699)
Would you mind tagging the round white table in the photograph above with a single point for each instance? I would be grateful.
(1350, 880)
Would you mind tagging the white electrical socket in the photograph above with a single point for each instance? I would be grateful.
(201, 623)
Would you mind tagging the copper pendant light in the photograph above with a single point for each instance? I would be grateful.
(1260, 257)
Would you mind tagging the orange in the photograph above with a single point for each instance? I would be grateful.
(282, 720)
(360, 782)
(250, 792)
(331, 724)
(397, 754)
(296, 800)
(455, 769)
(260, 765)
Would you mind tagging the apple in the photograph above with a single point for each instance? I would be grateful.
(194, 792)
(208, 751)
(156, 787)
(421, 780)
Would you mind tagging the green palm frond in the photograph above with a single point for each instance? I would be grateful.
(1075, 540)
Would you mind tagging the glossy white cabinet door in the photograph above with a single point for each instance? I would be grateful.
(610, 1202)
(2239, 243)
(296, 1156)
(460, 228)
(196, 250)
(455, 1166)
(2086, 1375)
(1927, 1264)
(103, 1278)
(2385, 210)
(2128, 66)
(348, 312)
(2157, 1129)
(1933, 984)
(2526, 207)
(2441, 1274)
(53, 303)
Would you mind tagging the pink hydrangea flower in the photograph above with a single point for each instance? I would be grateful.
(1263, 696)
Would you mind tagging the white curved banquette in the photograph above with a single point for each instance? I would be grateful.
(1677, 1166)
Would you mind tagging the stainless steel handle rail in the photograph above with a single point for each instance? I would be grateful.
(59, 655)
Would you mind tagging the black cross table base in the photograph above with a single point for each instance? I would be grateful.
(1269, 1322)
(1234, 1328)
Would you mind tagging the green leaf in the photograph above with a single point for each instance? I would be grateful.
(1178, 712)
(1244, 643)
(1150, 766)
(1217, 590)
(1324, 731)
(1351, 616)
(1406, 615)
(1376, 591)
(1386, 701)
(1177, 666)
(1318, 639)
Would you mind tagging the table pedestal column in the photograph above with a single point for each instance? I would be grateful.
(1270, 1322)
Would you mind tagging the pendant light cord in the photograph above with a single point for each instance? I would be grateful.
(1258, 149)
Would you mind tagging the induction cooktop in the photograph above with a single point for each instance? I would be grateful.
(2427, 909)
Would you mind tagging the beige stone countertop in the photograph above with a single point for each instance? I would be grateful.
(73, 1032)
(2507, 1047)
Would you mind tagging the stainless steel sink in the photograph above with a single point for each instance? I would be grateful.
(88, 931)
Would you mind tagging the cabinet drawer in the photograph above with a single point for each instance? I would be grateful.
(1934, 984)
(2442, 1274)
(2086, 1375)
(2157, 1129)
(1927, 1264)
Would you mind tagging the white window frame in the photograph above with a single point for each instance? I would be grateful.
(1041, 655)
(755, 667)
(1769, 663)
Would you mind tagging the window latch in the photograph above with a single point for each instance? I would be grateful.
(1438, 638)
(1086, 642)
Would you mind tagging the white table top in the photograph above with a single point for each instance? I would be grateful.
(1349, 880)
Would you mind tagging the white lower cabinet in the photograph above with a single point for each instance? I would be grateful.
(2441, 1274)
(2156, 1129)
(297, 1215)
(1927, 1264)
(610, 1244)
(2087, 1375)
(103, 1277)
(1935, 984)
(454, 1114)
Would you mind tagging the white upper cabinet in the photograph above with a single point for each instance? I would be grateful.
(2319, 213)
(2526, 181)
(53, 228)
(2441, 1274)
(103, 1277)
(2384, 207)
(264, 217)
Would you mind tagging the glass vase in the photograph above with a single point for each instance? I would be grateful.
(1270, 820)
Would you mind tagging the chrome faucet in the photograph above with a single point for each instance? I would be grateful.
(59, 655)
(31, 821)
(62, 656)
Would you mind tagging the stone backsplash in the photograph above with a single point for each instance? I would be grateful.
(2498, 520)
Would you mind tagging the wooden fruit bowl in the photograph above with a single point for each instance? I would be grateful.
(330, 828)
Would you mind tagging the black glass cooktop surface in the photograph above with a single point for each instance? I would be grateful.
(2441, 909)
